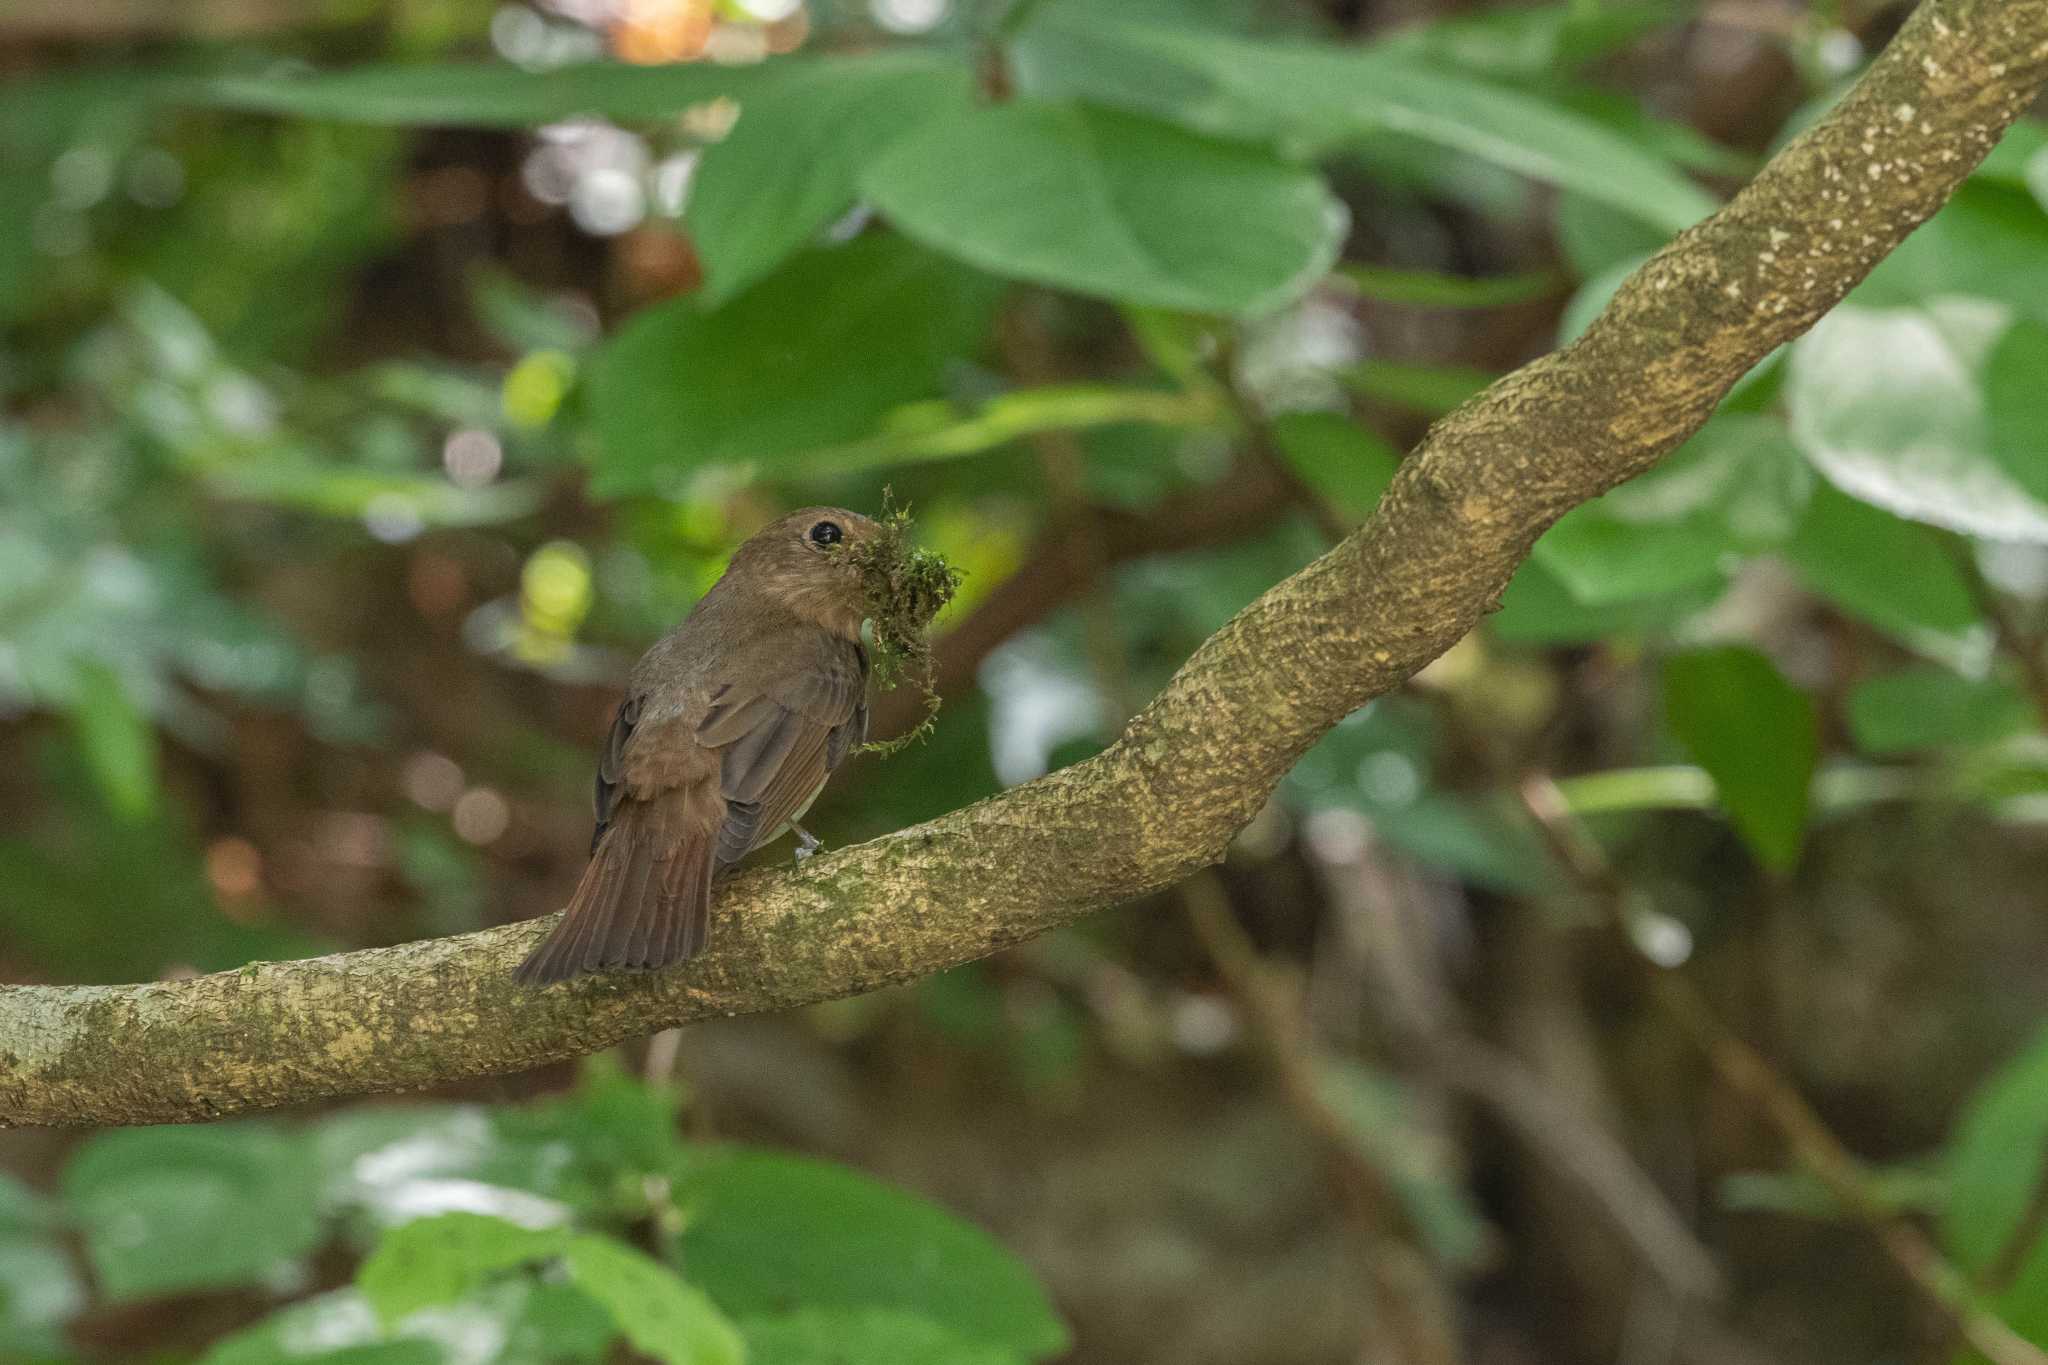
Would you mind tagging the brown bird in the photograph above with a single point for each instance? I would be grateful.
(730, 726)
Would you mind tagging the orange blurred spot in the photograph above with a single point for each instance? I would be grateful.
(234, 868)
(649, 32)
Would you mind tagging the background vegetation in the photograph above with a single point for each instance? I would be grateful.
(1658, 976)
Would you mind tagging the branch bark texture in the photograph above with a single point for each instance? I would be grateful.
(1195, 765)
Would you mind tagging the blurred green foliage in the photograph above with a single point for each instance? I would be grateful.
(361, 420)
(550, 1230)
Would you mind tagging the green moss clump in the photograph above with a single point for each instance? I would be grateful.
(904, 588)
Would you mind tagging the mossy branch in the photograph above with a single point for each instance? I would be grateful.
(1194, 766)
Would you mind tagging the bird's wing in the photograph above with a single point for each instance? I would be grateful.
(780, 735)
(611, 767)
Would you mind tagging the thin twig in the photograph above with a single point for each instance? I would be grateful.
(1257, 429)
(1750, 1074)
(1410, 1304)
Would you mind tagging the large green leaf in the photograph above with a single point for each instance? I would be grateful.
(448, 1257)
(2012, 161)
(117, 739)
(862, 1336)
(439, 1259)
(1989, 240)
(814, 355)
(789, 165)
(770, 1234)
(1532, 42)
(513, 1322)
(167, 1210)
(498, 95)
(1883, 569)
(1994, 1164)
(40, 1289)
(1890, 404)
(1596, 236)
(1347, 465)
(1113, 205)
(1320, 96)
(1736, 487)
(1756, 734)
(1538, 609)
(2016, 405)
(657, 1313)
(1923, 706)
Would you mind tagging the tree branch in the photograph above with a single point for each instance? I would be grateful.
(1193, 767)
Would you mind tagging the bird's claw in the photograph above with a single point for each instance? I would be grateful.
(806, 844)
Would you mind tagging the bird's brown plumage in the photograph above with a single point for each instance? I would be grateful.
(731, 724)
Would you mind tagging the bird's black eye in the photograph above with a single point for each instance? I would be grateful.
(827, 533)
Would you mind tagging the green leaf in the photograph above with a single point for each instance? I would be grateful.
(862, 1336)
(170, 1210)
(440, 1259)
(1756, 734)
(1924, 707)
(920, 432)
(790, 164)
(402, 1162)
(117, 739)
(1995, 1161)
(1482, 842)
(769, 1234)
(40, 1290)
(1112, 205)
(656, 1312)
(1324, 97)
(1591, 299)
(2012, 161)
(1538, 609)
(1623, 113)
(1432, 289)
(287, 477)
(1901, 1190)
(1596, 237)
(1348, 466)
(1883, 569)
(341, 1328)
(2016, 405)
(815, 355)
(1532, 42)
(1738, 486)
(1380, 1124)
(1890, 404)
(1602, 558)
(498, 95)
(1434, 389)
(1989, 240)
(22, 1208)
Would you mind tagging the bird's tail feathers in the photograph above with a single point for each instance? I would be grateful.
(644, 901)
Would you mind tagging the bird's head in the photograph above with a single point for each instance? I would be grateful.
(805, 562)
